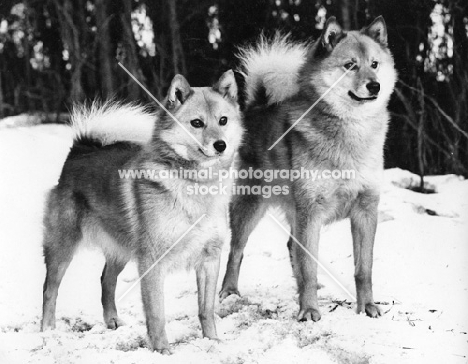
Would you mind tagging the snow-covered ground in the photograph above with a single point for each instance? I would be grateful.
(420, 278)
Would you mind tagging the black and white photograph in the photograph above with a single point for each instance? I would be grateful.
(233, 181)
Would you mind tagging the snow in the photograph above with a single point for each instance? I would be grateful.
(420, 277)
(32, 119)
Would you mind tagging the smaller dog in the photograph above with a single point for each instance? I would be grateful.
(145, 217)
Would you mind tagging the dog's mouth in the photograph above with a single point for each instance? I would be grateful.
(361, 99)
(209, 160)
(208, 155)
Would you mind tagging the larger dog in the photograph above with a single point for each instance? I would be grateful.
(344, 131)
(155, 219)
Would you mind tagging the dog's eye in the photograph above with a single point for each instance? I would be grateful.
(349, 65)
(223, 120)
(375, 64)
(197, 123)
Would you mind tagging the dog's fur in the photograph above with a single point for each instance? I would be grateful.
(143, 218)
(345, 131)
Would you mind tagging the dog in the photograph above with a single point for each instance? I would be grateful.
(143, 218)
(345, 130)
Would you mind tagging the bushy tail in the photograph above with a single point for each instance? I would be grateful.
(272, 67)
(110, 122)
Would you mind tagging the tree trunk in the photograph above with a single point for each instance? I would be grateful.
(178, 57)
(27, 59)
(460, 83)
(71, 41)
(106, 59)
(161, 69)
(346, 14)
(421, 133)
(130, 58)
(2, 101)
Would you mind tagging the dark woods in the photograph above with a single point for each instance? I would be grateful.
(54, 52)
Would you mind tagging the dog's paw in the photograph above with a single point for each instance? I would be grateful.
(215, 339)
(114, 322)
(226, 292)
(47, 325)
(165, 351)
(372, 310)
(309, 314)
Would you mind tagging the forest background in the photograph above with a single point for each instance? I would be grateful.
(56, 52)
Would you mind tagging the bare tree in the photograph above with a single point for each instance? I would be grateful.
(178, 57)
(1, 97)
(346, 14)
(459, 81)
(130, 57)
(70, 33)
(106, 60)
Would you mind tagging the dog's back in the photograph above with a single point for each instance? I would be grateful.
(88, 197)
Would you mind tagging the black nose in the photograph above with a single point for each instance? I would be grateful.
(220, 146)
(373, 87)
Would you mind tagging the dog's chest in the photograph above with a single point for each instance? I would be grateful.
(210, 198)
(200, 211)
(191, 228)
(343, 165)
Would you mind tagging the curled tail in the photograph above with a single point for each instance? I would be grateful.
(111, 122)
(271, 69)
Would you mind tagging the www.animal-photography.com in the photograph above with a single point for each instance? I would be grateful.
(233, 181)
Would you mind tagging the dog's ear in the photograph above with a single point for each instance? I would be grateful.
(227, 85)
(377, 30)
(332, 33)
(178, 92)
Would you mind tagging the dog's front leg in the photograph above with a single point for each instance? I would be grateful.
(207, 278)
(364, 216)
(305, 264)
(152, 293)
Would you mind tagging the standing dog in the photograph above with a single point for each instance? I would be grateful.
(143, 218)
(344, 131)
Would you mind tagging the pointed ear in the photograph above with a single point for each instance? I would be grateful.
(227, 85)
(178, 92)
(331, 34)
(377, 30)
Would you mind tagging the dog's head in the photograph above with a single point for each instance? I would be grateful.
(205, 122)
(356, 67)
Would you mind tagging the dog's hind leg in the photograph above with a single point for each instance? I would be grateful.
(62, 233)
(364, 215)
(245, 213)
(112, 269)
(57, 264)
(207, 277)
